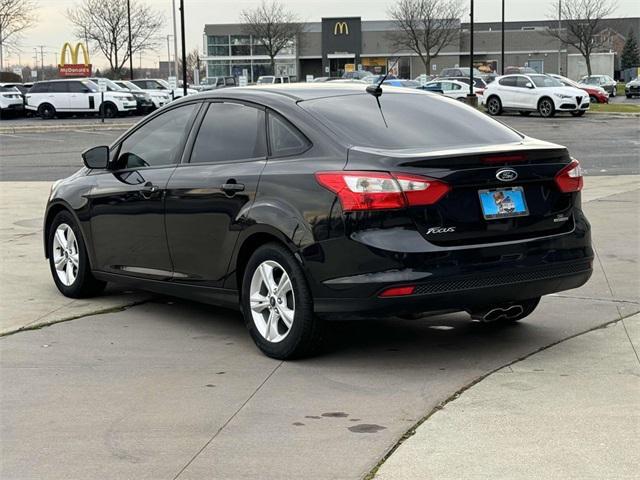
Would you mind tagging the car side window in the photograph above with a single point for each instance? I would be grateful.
(157, 142)
(76, 87)
(58, 87)
(284, 138)
(230, 132)
(455, 86)
(521, 82)
(508, 81)
(40, 88)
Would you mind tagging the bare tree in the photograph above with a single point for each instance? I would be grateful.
(193, 60)
(425, 26)
(105, 24)
(581, 25)
(16, 16)
(272, 26)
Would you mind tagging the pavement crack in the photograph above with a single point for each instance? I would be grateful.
(235, 414)
(632, 345)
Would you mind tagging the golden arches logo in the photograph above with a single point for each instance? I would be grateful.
(74, 54)
(341, 28)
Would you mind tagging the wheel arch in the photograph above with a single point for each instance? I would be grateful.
(54, 209)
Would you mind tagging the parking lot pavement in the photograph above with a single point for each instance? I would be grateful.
(173, 389)
(570, 411)
(605, 145)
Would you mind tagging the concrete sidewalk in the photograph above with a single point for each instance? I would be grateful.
(571, 411)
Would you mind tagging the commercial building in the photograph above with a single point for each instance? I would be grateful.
(335, 45)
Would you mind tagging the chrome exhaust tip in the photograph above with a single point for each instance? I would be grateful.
(499, 313)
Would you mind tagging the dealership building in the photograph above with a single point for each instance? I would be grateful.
(335, 45)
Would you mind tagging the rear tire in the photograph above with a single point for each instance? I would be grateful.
(494, 106)
(46, 111)
(68, 259)
(283, 326)
(546, 108)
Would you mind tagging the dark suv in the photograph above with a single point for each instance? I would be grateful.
(274, 200)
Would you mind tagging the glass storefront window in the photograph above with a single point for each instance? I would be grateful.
(240, 40)
(259, 49)
(218, 50)
(217, 68)
(218, 40)
(237, 50)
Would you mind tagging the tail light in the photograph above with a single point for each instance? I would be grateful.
(359, 191)
(569, 179)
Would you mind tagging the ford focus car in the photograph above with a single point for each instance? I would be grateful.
(272, 199)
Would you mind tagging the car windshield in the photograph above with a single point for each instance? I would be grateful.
(163, 84)
(412, 120)
(111, 85)
(11, 89)
(90, 85)
(543, 81)
(591, 80)
(131, 86)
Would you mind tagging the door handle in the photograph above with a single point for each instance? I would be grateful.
(148, 189)
(231, 188)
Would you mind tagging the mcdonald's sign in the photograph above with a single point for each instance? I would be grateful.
(74, 69)
(341, 28)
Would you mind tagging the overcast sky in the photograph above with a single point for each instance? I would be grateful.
(53, 29)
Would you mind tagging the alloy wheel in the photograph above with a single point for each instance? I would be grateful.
(66, 257)
(494, 106)
(272, 301)
(545, 108)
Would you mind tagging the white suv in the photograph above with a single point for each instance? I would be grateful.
(10, 99)
(159, 85)
(51, 97)
(530, 93)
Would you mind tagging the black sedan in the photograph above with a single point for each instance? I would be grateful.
(308, 202)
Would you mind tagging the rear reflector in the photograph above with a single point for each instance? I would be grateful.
(398, 291)
(362, 190)
(569, 179)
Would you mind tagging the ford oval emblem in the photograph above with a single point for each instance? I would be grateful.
(507, 175)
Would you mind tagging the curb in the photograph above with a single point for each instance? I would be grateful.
(65, 127)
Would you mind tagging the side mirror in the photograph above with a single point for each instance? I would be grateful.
(96, 157)
(529, 85)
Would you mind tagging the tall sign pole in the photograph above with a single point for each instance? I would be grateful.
(559, 41)
(130, 52)
(184, 49)
(502, 58)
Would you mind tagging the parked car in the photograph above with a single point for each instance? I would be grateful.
(451, 88)
(604, 81)
(144, 104)
(325, 79)
(159, 98)
(521, 70)
(357, 75)
(53, 97)
(398, 82)
(530, 93)
(596, 94)
(160, 85)
(478, 83)
(268, 79)
(460, 72)
(632, 89)
(275, 201)
(211, 83)
(11, 100)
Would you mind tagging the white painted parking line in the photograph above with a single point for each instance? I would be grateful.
(93, 132)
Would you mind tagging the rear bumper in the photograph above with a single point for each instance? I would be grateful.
(346, 276)
(466, 292)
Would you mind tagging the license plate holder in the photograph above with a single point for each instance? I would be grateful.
(508, 202)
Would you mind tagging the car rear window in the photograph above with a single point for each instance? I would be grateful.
(407, 120)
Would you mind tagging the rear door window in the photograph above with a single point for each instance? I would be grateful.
(412, 120)
(508, 81)
(230, 132)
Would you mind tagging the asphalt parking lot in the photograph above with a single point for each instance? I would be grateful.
(606, 145)
(168, 389)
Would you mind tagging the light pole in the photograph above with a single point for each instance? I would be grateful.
(559, 40)
(502, 57)
(130, 52)
(175, 37)
(184, 49)
(471, 98)
(169, 56)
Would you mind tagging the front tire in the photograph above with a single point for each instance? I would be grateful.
(277, 304)
(494, 106)
(546, 108)
(68, 259)
(109, 110)
(46, 111)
